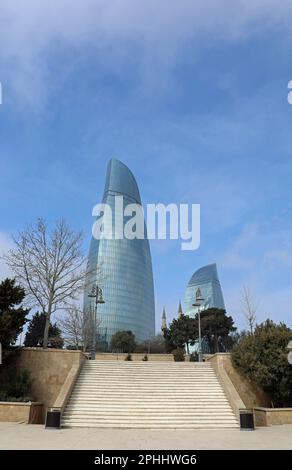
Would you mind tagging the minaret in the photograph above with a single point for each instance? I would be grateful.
(163, 323)
(180, 312)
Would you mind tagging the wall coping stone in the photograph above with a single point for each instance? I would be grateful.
(273, 410)
(74, 351)
(21, 403)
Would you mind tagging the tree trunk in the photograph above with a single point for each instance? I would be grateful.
(76, 342)
(47, 327)
(188, 351)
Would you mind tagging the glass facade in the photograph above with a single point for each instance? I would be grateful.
(122, 268)
(206, 278)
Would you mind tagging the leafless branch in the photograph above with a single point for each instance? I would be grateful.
(249, 308)
(77, 327)
(49, 264)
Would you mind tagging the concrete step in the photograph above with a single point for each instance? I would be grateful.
(108, 405)
(145, 391)
(150, 402)
(130, 372)
(141, 405)
(150, 423)
(142, 413)
(157, 394)
(159, 384)
(148, 395)
(186, 426)
(151, 420)
(148, 367)
(152, 364)
(173, 401)
(153, 376)
(153, 397)
(146, 380)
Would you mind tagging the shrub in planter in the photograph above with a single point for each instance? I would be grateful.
(262, 358)
(15, 385)
(194, 357)
(178, 355)
(3, 395)
(128, 357)
(145, 358)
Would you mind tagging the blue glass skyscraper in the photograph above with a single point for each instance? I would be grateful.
(206, 278)
(122, 268)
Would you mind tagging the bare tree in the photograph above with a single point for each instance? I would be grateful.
(49, 265)
(249, 308)
(77, 327)
(71, 325)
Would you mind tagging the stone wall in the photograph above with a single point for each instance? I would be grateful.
(49, 369)
(250, 394)
(30, 413)
(230, 390)
(135, 357)
(272, 416)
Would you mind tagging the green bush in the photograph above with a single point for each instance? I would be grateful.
(156, 345)
(128, 357)
(178, 355)
(262, 357)
(9, 356)
(194, 357)
(123, 341)
(15, 385)
(4, 397)
(145, 358)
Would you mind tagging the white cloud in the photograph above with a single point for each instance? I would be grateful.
(259, 249)
(279, 256)
(260, 259)
(157, 31)
(236, 256)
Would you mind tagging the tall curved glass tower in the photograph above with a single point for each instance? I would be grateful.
(206, 278)
(122, 268)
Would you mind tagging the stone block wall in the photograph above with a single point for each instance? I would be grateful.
(49, 369)
(250, 394)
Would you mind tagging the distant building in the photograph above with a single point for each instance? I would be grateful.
(180, 312)
(206, 278)
(123, 269)
(163, 321)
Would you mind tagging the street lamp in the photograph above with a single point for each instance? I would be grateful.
(96, 293)
(199, 301)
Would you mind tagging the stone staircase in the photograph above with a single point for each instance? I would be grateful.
(153, 395)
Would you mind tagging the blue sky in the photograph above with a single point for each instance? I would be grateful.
(192, 96)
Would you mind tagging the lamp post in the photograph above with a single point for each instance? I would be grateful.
(96, 293)
(198, 303)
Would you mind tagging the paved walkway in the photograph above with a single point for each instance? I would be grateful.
(34, 436)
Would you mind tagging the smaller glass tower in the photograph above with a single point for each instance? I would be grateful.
(206, 278)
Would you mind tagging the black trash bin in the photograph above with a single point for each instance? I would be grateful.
(53, 418)
(246, 420)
